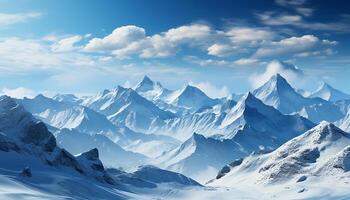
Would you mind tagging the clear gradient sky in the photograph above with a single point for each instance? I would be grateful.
(221, 46)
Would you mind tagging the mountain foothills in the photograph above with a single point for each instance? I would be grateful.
(150, 142)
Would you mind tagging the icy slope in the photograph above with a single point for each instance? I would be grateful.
(110, 153)
(320, 152)
(329, 93)
(191, 98)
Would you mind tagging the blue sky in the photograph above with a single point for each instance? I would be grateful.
(220, 46)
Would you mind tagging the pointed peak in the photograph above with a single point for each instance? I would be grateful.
(197, 137)
(191, 88)
(327, 130)
(92, 154)
(5, 98)
(249, 97)
(278, 82)
(145, 85)
(40, 96)
(325, 85)
(7, 102)
(147, 79)
(279, 78)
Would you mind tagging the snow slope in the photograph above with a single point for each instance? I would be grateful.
(321, 152)
(327, 92)
(110, 153)
(66, 115)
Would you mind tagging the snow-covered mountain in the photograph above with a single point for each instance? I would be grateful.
(321, 153)
(327, 92)
(191, 98)
(151, 90)
(227, 119)
(344, 123)
(122, 105)
(96, 127)
(24, 136)
(278, 93)
(66, 115)
(247, 127)
(67, 98)
(198, 156)
(33, 166)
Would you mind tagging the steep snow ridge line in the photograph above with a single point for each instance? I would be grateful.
(314, 153)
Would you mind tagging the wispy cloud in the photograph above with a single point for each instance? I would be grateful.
(273, 18)
(66, 44)
(212, 90)
(13, 18)
(19, 92)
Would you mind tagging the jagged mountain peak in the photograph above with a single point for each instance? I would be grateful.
(196, 137)
(147, 84)
(326, 131)
(91, 154)
(6, 102)
(277, 92)
(190, 89)
(20, 125)
(69, 98)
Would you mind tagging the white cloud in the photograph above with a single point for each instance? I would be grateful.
(131, 40)
(270, 18)
(27, 55)
(191, 32)
(292, 45)
(119, 38)
(249, 34)
(221, 50)
(305, 11)
(326, 52)
(205, 62)
(19, 92)
(246, 61)
(212, 90)
(289, 71)
(66, 44)
(8, 19)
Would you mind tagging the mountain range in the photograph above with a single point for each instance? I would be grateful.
(140, 142)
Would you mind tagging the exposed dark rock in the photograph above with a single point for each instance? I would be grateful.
(26, 172)
(301, 179)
